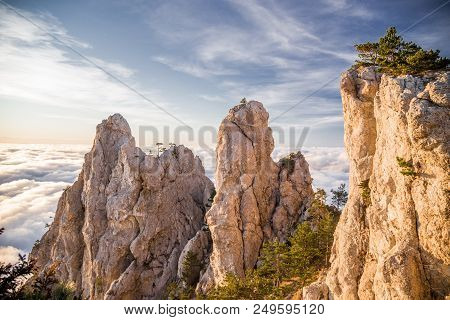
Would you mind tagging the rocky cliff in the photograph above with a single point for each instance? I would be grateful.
(392, 241)
(124, 229)
(257, 199)
(120, 228)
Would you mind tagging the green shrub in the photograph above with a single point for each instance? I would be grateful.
(63, 291)
(365, 192)
(180, 291)
(406, 167)
(47, 287)
(288, 163)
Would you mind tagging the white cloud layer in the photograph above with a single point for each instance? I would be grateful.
(328, 165)
(32, 178)
(9, 254)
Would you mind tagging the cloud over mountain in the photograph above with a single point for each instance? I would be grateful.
(32, 178)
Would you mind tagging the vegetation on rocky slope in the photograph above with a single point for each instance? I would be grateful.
(283, 267)
(13, 275)
(406, 167)
(392, 55)
(44, 287)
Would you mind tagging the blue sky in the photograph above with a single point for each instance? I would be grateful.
(193, 58)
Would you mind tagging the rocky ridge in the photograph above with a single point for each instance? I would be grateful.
(124, 229)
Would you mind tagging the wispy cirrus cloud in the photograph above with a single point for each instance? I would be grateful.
(266, 51)
(349, 8)
(194, 69)
(36, 69)
(266, 36)
(212, 98)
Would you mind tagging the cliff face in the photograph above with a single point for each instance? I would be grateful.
(120, 228)
(392, 240)
(257, 199)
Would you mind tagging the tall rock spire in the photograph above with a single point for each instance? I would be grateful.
(257, 199)
(120, 228)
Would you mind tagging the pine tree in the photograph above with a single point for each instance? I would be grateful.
(392, 55)
(318, 207)
(12, 276)
(325, 232)
(191, 269)
(284, 267)
(340, 196)
(304, 252)
(273, 262)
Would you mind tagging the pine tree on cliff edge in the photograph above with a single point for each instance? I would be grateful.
(392, 55)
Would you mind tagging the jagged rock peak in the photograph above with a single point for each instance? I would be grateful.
(256, 199)
(392, 239)
(116, 122)
(120, 228)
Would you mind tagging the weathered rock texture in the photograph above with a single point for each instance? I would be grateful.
(257, 199)
(394, 245)
(120, 228)
(316, 291)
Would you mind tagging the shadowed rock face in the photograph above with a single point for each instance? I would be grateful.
(395, 245)
(120, 228)
(257, 199)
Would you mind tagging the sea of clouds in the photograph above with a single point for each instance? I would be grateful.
(32, 178)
